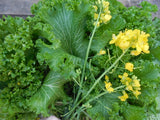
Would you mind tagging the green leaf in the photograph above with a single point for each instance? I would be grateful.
(149, 7)
(102, 106)
(148, 95)
(51, 90)
(158, 99)
(117, 23)
(156, 52)
(9, 25)
(131, 112)
(68, 26)
(148, 74)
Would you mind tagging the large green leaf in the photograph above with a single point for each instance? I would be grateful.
(148, 74)
(51, 89)
(68, 26)
(102, 106)
(62, 59)
(131, 112)
(156, 52)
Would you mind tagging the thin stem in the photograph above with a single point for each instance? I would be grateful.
(103, 94)
(86, 57)
(97, 81)
(96, 97)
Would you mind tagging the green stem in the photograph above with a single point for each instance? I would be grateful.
(81, 108)
(103, 94)
(97, 81)
(86, 57)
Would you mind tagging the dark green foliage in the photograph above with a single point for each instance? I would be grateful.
(20, 74)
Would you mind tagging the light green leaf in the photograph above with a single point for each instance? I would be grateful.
(148, 74)
(51, 89)
(102, 106)
(131, 112)
(68, 26)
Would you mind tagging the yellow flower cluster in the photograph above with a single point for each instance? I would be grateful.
(129, 66)
(124, 97)
(108, 84)
(132, 84)
(105, 15)
(135, 39)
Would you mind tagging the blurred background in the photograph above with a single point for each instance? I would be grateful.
(22, 7)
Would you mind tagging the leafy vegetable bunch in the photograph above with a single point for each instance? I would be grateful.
(80, 59)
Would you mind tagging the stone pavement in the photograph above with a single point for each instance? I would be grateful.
(19, 7)
(22, 7)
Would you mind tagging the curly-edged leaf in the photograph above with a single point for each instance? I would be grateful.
(51, 89)
(131, 112)
(8, 110)
(102, 106)
(9, 25)
(57, 59)
(45, 32)
(149, 7)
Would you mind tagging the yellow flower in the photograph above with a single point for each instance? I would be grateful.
(105, 14)
(123, 45)
(108, 86)
(135, 53)
(102, 52)
(124, 75)
(106, 78)
(136, 93)
(110, 90)
(18, 83)
(105, 18)
(129, 87)
(124, 97)
(95, 16)
(95, 7)
(98, 24)
(129, 66)
(132, 38)
(105, 4)
(136, 83)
